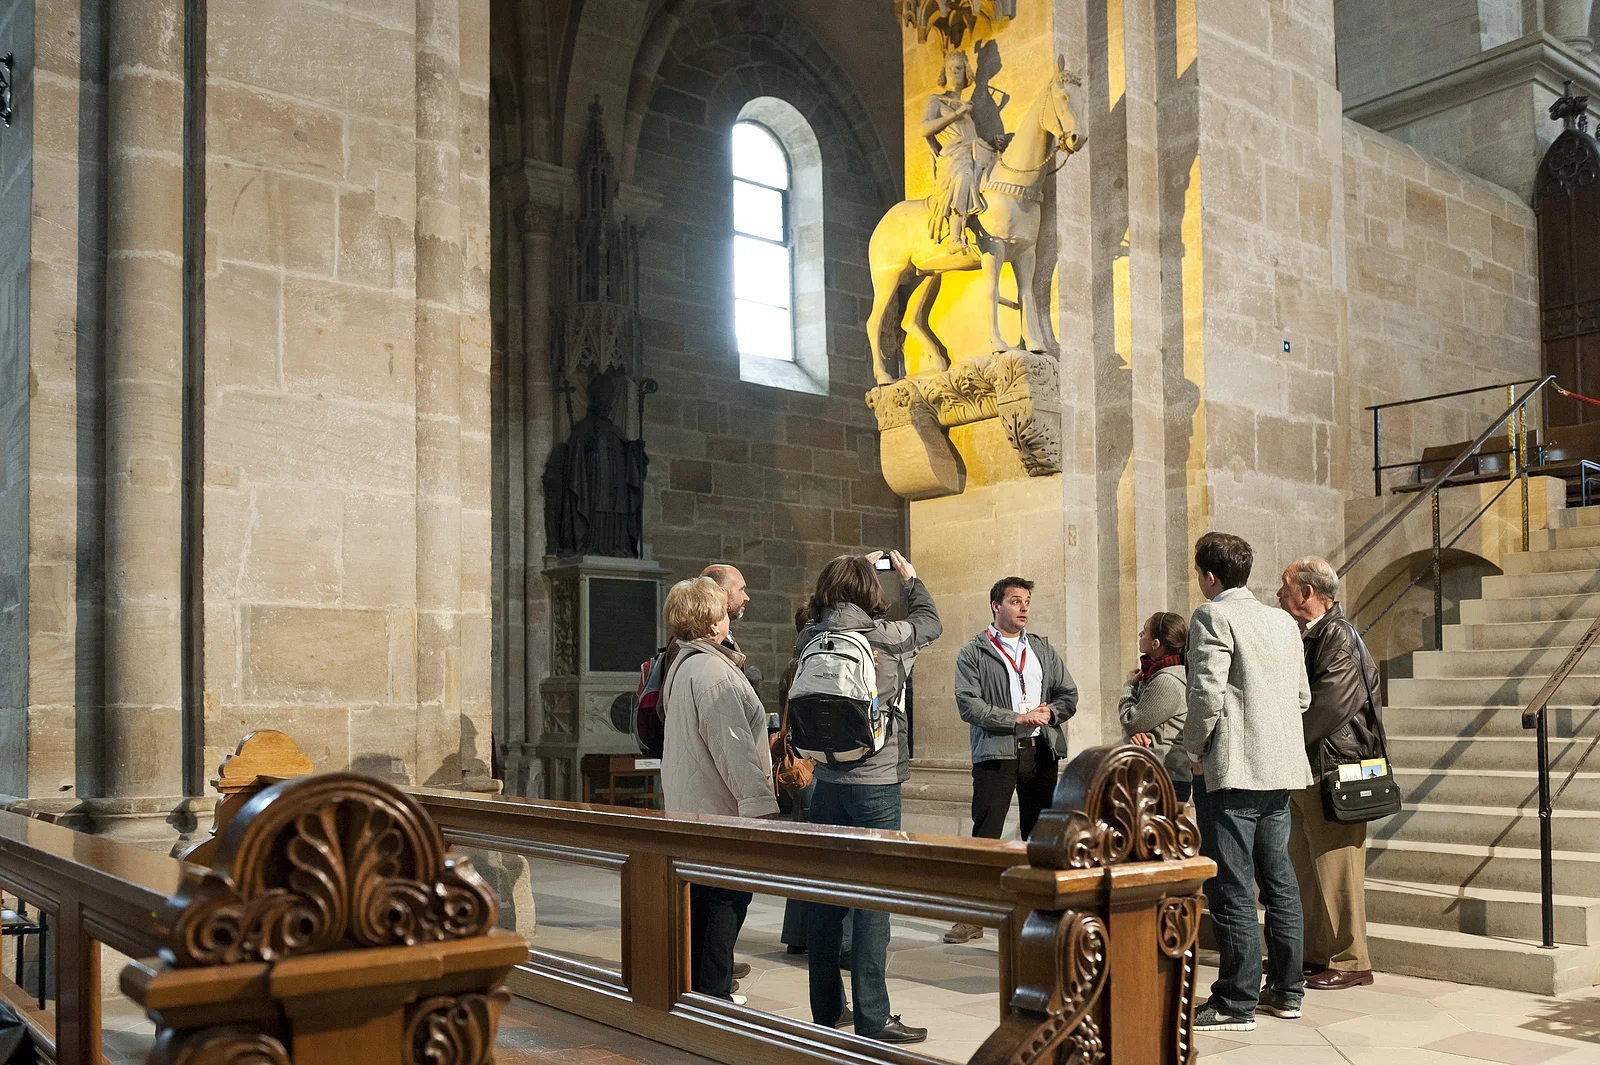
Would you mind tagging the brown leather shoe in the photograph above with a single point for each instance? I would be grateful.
(960, 932)
(1337, 980)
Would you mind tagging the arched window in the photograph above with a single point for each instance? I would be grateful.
(779, 280)
(763, 247)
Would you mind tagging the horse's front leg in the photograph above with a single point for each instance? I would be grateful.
(994, 258)
(1034, 329)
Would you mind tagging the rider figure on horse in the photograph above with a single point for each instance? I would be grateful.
(962, 159)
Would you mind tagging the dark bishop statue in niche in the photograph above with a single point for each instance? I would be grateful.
(594, 483)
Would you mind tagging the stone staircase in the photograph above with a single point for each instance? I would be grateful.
(1453, 879)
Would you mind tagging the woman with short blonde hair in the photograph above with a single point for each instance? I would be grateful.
(714, 760)
(695, 608)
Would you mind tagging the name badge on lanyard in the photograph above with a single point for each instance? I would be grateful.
(1017, 665)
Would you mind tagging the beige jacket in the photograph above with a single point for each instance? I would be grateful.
(715, 758)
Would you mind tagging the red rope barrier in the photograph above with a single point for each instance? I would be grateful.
(1574, 395)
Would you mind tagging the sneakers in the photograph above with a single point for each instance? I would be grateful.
(1279, 1004)
(847, 1019)
(963, 933)
(741, 969)
(1208, 1019)
(738, 1000)
(895, 1032)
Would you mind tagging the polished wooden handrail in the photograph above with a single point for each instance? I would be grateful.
(95, 891)
(1111, 874)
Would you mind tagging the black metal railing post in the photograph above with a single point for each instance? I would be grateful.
(1547, 876)
(1377, 451)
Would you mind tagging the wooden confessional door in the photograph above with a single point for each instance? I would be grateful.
(1566, 198)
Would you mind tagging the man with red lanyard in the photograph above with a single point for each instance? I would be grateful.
(1015, 692)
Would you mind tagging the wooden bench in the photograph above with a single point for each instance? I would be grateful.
(332, 926)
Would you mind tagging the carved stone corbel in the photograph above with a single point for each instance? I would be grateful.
(1021, 389)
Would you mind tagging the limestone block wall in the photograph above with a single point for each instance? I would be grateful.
(771, 480)
(346, 495)
(16, 172)
(1443, 294)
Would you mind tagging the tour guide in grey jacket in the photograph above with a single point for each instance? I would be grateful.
(983, 697)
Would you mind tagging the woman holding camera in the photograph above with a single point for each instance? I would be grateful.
(1154, 704)
(865, 793)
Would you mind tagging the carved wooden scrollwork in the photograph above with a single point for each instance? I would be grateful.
(325, 863)
(453, 1029)
(218, 1046)
(1112, 805)
(1178, 930)
(1062, 968)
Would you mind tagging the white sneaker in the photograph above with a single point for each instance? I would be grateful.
(739, 1000)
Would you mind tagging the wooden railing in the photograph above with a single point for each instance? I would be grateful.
(331, 927)
(1105, 895)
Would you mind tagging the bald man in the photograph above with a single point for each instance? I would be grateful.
(731, 581)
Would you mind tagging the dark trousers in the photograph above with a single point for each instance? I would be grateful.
(1031, 774)
(1247, 834)
(715, 917)
(863, 806)
(795, 915)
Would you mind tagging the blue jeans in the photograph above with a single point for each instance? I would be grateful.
(1247, 834)
(860, 806)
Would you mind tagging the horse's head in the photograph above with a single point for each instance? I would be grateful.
(1059, 116)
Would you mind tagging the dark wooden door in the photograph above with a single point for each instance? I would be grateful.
(1566, 199)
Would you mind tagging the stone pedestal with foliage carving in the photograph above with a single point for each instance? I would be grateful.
(1021, 389)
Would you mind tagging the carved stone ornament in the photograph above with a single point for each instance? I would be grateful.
(325, 863)
(1061, 967)
(1113, 805)
(1022, 389)
(453, 1029)
(218, 1046)
(953, 19)
(564, 628)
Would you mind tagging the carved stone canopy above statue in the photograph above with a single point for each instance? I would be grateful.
(953, 19)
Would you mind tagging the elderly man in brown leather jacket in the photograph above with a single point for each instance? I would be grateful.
(1341, 725)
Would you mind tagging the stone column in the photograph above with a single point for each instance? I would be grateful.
(438, 375)
(141, 750)
(547, 188)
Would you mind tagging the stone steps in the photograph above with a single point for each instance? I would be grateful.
(1500, 662)
(1481, 911)
(1471, 865)
(1458, 721)
(1530, 608)
(1511, 691)
(1488, 787)
(1562, 539)
(1510, 753)
(1425, 822)
(1516, 634)
(1539, 585)
(1469, 958)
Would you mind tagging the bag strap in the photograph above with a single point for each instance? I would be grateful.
(1362, 657)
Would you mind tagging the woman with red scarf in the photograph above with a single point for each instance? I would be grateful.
(1155, 698)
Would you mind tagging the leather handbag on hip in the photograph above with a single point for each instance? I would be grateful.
(1366, 798)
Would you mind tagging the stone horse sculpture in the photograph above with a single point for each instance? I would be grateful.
(1005, 230)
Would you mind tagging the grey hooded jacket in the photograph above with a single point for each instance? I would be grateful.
(894, 645)
(983, 697)
(1159, 706)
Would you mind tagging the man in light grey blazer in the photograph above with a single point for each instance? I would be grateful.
(1247, 691)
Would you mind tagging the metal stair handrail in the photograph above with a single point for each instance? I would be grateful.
(1515, 408)
(1534, 717)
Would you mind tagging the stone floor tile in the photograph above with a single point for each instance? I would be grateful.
(1209, 1045)
(1507, 1050)
(1321, 1054)
(1387, 1030)
(1403, 1056)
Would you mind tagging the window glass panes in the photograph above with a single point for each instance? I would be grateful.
(758, 157)
(758, 210)
(760, 271)
(763, 330)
